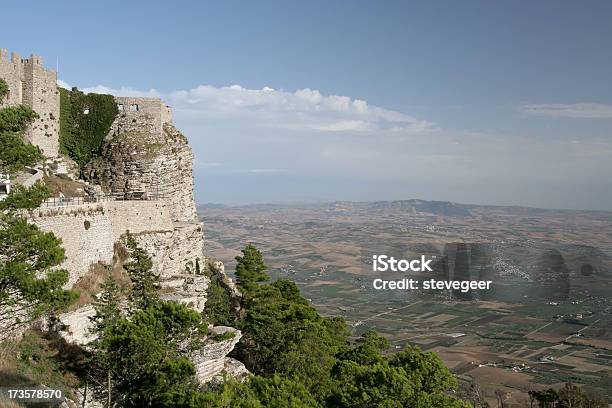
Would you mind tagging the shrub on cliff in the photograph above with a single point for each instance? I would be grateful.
(143, 355)
(85, 120)
(218, 309)
(139, 269)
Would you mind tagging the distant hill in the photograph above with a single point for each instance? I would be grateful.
(413, 206)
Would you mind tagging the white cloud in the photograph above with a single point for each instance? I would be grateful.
(63, 84)
(304, 109)
(573, 110)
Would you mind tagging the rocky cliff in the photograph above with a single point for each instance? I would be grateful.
(141, 183)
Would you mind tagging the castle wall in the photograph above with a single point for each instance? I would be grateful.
(86, 235)
(140, 115)
(89, 231)
(138, 217)
(32, 85)
(12, 73)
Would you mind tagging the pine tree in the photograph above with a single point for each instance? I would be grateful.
(250, 268)
(107, 315)
(140, 270)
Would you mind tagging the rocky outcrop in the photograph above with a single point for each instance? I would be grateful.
(210, 360)
(187, 289)
(137, 164)
(176, 251)
(143, 183)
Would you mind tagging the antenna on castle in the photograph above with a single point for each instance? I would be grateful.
(57, 65)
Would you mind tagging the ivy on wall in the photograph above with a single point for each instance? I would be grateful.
(85, 120)
(4, 89)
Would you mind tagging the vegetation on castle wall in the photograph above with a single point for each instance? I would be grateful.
(85, 120)
(15, 152)
(29, 276)
(16, 118)
(4, 89)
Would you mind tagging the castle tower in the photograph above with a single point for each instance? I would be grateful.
(32, 85)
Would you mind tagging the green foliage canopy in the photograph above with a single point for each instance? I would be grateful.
(29, 280)
(15, 153)
(85, 120)
(250, 267)
(28, 198)
(143, 354)
(4, 89)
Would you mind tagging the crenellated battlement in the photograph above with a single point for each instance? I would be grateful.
(16, 59)
(31, 84)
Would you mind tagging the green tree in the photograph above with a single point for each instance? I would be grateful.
(140, 271)
(410, 378)
(107, 315)
(145, 354)
(15, 153)
(30, 283)
(106, 305)
(28, 198)
(16, 118)
(218, 309)
(282, 333)
(250, 268)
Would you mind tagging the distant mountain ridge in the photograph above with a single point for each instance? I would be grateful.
(414, 206)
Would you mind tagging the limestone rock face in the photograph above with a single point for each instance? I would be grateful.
(137, 164)
(179, 251)
(236, 369)
(209, 361)
(77, 325)
(187, 289)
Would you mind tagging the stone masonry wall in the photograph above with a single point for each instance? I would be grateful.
(86, 235)
(138, 216)
(32, 85)
(141, 115)
(88, 232)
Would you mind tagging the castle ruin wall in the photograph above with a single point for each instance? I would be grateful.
(32, 85)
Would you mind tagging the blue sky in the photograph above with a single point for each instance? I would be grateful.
(476, 101)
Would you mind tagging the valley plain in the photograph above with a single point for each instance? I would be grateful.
(547, 319)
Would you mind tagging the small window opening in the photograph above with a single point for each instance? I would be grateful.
(134, 107)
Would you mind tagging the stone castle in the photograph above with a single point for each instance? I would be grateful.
(32, 85)
(142, 183)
